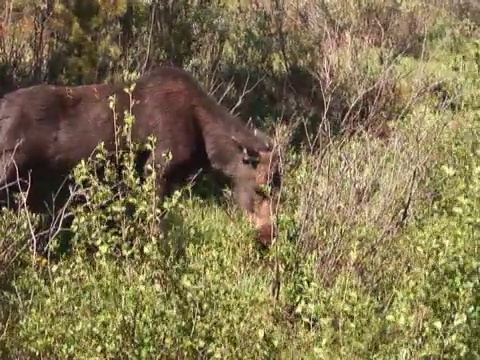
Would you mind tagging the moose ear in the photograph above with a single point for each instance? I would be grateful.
(261, 135)
(238, 143)
(249, 156)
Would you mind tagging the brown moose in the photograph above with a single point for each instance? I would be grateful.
(45, 130)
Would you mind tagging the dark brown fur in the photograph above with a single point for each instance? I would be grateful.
(49, 129)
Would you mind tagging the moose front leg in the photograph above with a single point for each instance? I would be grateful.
(159, 164)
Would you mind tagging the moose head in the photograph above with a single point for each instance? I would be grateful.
(255, 186)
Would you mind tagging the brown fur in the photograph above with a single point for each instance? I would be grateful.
(48, 129)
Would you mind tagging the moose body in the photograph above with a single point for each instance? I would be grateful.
(45, 130)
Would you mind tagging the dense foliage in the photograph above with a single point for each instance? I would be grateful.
(376, 107)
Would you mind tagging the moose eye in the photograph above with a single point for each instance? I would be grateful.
(251, 161)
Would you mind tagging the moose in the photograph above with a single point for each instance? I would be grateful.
(46, 130)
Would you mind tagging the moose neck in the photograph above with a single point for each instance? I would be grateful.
(218, 127)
